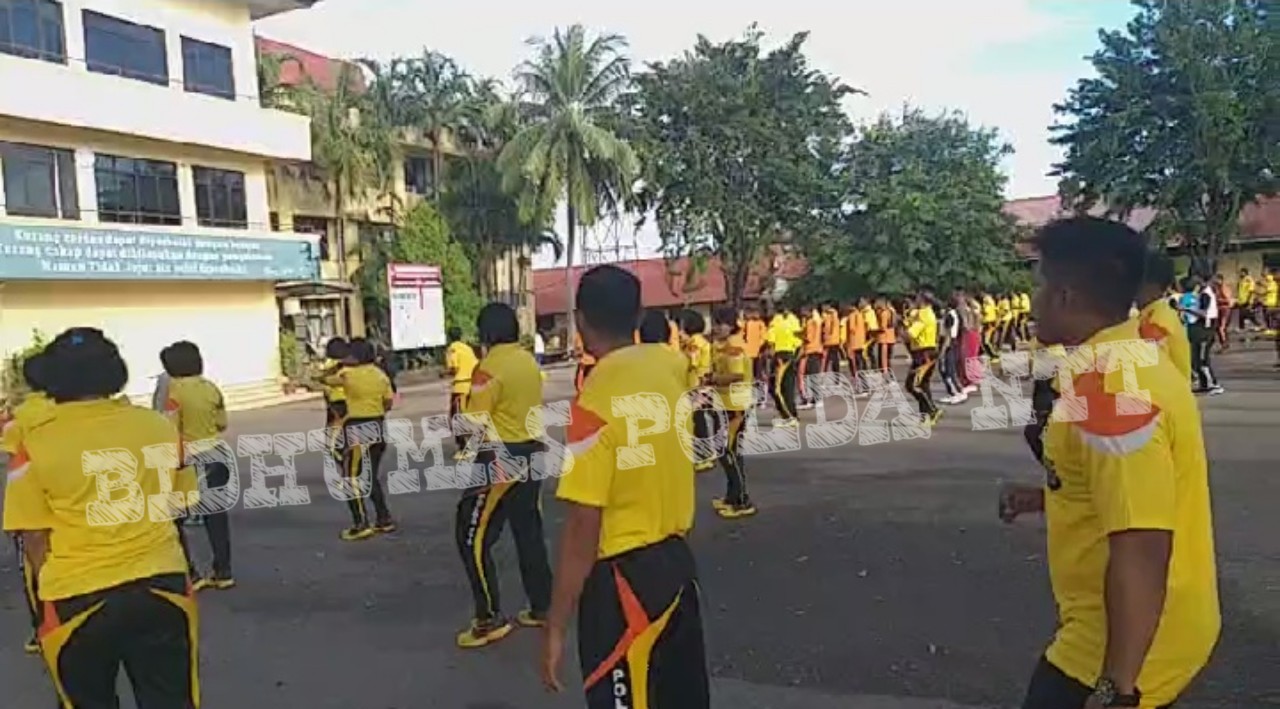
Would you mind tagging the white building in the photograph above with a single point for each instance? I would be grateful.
(133, 190)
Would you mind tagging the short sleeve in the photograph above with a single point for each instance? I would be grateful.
(25, 505)
(451, 357)
(484, 395)
(1132, 475)
(587, 477)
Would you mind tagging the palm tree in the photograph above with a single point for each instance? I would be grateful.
(566, 151)
(437, 100)
(351, 146)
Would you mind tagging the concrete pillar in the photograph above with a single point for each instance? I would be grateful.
(86, 185)
(187, 195)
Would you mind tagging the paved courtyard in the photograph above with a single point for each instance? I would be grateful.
(874, 578)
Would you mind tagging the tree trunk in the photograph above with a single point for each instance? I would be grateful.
(340, 242)
(437, 162)
(571, 243)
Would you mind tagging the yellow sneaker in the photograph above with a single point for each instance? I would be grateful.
(201, 584)
(355, 534)
(33, 646)
(703, 466)
(222, 584)
(935, 417)
(718, 503)
(482, 634)
(731, 512)
(528, 619)
(385, 527)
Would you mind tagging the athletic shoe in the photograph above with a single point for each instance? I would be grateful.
(786, 423)
(934, 418)
(526, 618)
(718, 503)
(33, 646)
(484, 633)
(356, 534)
(460, 455)
(214, 583)
(804, 407)
(737, 511)
(1216, 389)
(385, 526)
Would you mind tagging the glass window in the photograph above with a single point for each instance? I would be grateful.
(206, 69)
(314, 225)
(417, 175)
(32, 28)
(136, 191)
(220, 198)
(39, 181)
(113, 46)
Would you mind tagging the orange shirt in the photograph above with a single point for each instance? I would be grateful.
(888, 326)
(857, 329)
(753, 331)
(584, 357)
(830, 329)
(813, 335)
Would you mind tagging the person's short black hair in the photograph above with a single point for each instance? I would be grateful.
(725, 315)
(182, 359)
(454, 334)
(1103, 259)
(692, 323)
(363, 351)
(497, 324)
(609, 300)
(33, 372)
(1159, 269)
(654, 328)
(337, 348)
(81, 363)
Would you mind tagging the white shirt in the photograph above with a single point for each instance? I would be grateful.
(539, 347)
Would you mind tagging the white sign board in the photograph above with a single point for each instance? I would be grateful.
(417, 306)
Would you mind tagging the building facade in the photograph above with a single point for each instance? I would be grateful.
(133, 183)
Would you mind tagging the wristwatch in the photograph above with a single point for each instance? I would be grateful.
(1108, 696)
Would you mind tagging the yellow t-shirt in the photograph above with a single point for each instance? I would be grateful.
(92, 545)
(199, 412)
(1159, 322)
(460, 359)
(507, 385)
(34, 409)
(989, 314)
(698, 350)
(645, 493)
(783, 333)
(1005, 310)
(1270, 292)
(332, 391)
(729, 358)
(368, 391)
(1113, 472)
(1244, 290)
(870, 319)
(922, 329)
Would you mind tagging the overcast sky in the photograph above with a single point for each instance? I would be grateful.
(1003, 62)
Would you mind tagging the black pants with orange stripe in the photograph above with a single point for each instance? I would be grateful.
(920, 379)
(148, 626)
(735, 471)
(457, 402)
(481, 515)
(640, 631)
(354, 460)
(30, 583)
(335, 412)
(784, 384)
(812, 363)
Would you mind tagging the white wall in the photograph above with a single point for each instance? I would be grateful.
(70, 95)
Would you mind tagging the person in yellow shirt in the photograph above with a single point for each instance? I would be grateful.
(369, 397)
(113, 577)
(922, 340)
(196, 407)
(886, 335)
(872, 321)
(460, 362)
(784, 340)
(1004, 323)
(585, 362)
(753, 331)
(990, 327)
(1024, 316)
(1270, 300)
(35, 408)
(1126, 496)
(624, 565)
(1157, 320)
(653, 331)
(731, 377)
(698, 351)
(831, 326)
(335, 400)
(506, 391)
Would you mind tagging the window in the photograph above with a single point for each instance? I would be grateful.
(137, 191)
(417, 175)
(220, 199)
(113, 46)
(39, 181)
(206, 69)
(314, 225)
(32, 28)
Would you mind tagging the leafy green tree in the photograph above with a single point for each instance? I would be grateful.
(564, 151)
(424, 238)
(1182, 117)
(923, 207)
(739, 147)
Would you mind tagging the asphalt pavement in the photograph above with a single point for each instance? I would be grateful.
(874, 577)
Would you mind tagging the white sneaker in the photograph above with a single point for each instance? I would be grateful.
(971, 389)
(1216, 390)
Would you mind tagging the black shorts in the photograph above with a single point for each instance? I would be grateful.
(149, 626)
(1051, 688)
(639, 624)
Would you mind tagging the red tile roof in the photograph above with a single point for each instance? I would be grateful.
(322, 70)
(665, 284)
